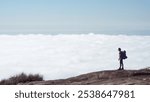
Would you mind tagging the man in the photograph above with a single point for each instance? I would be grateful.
(121, 59)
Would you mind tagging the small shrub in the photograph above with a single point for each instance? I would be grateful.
(21, 78)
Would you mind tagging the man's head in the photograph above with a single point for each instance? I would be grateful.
(119, 49)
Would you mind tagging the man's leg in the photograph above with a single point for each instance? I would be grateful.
(122, 65)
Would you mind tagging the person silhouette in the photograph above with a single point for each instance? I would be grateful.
(120, 60)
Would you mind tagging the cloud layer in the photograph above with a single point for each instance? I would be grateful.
(62, 56)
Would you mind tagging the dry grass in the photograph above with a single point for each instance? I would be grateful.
(21, 78)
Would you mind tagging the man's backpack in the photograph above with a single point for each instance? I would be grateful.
(124, 56)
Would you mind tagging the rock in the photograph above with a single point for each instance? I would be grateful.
(108, 77)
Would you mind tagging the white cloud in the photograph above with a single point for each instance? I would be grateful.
(61, 56)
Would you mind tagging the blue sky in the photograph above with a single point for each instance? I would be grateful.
(75, 16)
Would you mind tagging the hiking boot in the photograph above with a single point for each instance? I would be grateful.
(119, 69)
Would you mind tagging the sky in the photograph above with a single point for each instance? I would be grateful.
(75, 16)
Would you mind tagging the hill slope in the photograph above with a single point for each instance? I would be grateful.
(109, 77)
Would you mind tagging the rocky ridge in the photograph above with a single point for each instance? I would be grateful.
(107, 77)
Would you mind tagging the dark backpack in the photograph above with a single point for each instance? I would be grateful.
(123, 55)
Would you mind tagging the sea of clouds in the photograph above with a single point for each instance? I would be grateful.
(64, 55)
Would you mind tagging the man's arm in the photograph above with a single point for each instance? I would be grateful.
(119, 56)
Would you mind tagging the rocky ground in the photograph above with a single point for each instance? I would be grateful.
(108, 77)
